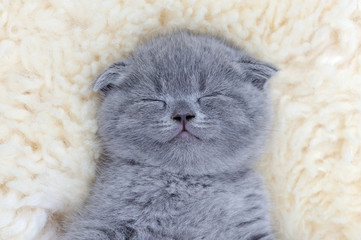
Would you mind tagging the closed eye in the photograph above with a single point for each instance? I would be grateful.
(158, 102)
(152, 100)
(213, 95)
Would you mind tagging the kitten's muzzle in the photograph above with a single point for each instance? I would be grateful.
(182, 118)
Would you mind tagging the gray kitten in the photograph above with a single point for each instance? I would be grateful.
(181, 123)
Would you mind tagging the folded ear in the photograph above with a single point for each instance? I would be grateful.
(113, 75)
(256, 72)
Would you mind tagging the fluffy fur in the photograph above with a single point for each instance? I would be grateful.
(50, 52)
(181, 122)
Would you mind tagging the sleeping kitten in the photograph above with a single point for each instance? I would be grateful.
(181, 123)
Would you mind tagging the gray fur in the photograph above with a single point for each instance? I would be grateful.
(155, 184)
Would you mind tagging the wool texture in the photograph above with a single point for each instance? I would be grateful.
(52, 50)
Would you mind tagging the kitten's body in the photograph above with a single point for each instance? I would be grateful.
(179, 139)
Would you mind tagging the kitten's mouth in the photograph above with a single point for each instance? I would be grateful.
(185, 134)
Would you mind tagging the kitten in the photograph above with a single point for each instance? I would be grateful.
(181, 123)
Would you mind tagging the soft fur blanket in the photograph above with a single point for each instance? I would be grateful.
(51, 50)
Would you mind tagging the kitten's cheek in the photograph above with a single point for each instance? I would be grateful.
(166, 134)
(205, 133)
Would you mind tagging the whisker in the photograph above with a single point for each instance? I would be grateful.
(165, 129)
(160, 124)
(205, 124)
(159, 121)
(201, 127)
(166, 126)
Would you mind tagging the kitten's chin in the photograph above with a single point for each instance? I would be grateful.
(189, 159)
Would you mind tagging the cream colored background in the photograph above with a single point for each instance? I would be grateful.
(50, 52)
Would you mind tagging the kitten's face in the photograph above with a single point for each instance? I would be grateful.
(185, 103)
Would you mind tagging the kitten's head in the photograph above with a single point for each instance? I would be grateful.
(186, 103)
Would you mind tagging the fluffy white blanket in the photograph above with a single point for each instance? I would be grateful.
(51, 50)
